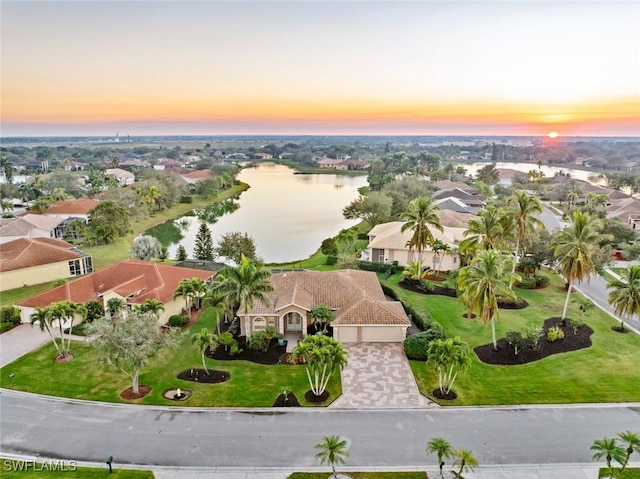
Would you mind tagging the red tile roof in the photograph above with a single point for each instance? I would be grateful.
(199, 175)
(141, 280)
(28, 252)
(80, 206)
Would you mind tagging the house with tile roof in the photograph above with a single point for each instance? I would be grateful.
(363, 313)
(387, 243)
(196, 176)
(29, 226)
(123, 177)
(76, 208)
(27, 261)
(132, 280)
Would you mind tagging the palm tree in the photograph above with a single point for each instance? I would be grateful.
(574, 247)
(466, 460)
(333, 450)
(439, 248)
(448, 357)
(152, 306)
(151, 197)
(43, 318)
(486, 232)
(184, 289)
(217, 301)
(322, 355)
(61, 312)
(625, 296)
(482, 282)
(322, 314)
(631, 440)
(421, 215)
(198, 291)
(442, 448)
(522, 208)
(610, 450)
(243, 284)
(203, 340)
(115, 307)
(7, 168)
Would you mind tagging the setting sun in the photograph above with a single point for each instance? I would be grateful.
(553, 134)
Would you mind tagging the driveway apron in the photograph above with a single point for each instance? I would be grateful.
(378, 375)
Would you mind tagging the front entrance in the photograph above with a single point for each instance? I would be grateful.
(293, 322)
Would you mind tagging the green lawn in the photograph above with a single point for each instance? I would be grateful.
(362, 475)
(606, 372)
(58, 469)
(630, 473)
(12, 296)
(251, 385)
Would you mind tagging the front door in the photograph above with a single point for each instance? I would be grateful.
(293, 322)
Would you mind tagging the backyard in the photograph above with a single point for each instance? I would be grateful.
(250, 385)
(606, 372)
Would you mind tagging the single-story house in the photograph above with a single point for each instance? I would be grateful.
(78, 208)
(363, 313)
(28, 261)
(196, 176)
(123, 177)
(132, 280)
(387, 243)
(262, 156)
(29, 226)
(328, 163)
(353, 164)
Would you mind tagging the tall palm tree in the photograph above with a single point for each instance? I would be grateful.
(151, 197)
(152, 306)
(480, 283)
(485, 232)
(631, 440)
(333, 451)
(419, 218)
(466, 460)
(42, 317)
(521, 210)
(439, 248)
(244, 284)
(218, 301)
(63, 312)
(322, 355)
(115, 307)
(574, 247)
(203, 340)
(184, 289)
(625, 296)
(198, 291)
(442, 448)
(7, 168)
(448, 357)
(610, 450)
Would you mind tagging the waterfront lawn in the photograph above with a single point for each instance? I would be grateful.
(605, 372)
(17, 468)
(251, 385)
(362, 475)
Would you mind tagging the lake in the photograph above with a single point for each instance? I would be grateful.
(549, 171)
(288, 215)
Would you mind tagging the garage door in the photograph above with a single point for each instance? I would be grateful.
(381, 334)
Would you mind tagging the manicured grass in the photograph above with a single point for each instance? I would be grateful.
(630, 473)
(606, 372)
(12, 296)
(57, 469)
(251, 385)
(362, 475)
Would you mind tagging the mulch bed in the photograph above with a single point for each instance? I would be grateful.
(63, 359)
(618, 329)
(201, 376)
(291, 401)
(506, 356)
(450, 396)
(309, 396)
(444, 291)
(271, 356)
(128, 395)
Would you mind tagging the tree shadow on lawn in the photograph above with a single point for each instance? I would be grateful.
(505, 356)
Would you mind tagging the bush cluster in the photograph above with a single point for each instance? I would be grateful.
(533, 282)
(554, 334)
(186, 199)
(416, 345)
(176, 321)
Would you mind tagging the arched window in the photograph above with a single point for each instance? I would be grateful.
(259, 324)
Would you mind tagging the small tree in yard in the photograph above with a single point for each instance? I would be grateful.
(322, 314)
(146, 247)
(61, 313)
(203, 249)
(448, 357)
(610, 450)
(42, 317)
(203, 340)
(322, 355)
(129, 342)
(466, 460)
(181, 253)
(333, 451)
(442, 448)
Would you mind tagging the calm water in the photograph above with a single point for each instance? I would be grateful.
(287, 215)
(549, 171)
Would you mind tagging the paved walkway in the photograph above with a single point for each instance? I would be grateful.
(378, 375)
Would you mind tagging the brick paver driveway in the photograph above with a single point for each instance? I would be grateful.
(378, 376)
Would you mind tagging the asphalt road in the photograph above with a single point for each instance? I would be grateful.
(83, 431)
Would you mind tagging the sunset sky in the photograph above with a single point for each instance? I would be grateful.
(305, 67)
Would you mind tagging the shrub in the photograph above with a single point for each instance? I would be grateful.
(331, 260)
(270, 333)
(416, 345)
(10, 314)
(94, 310)
(575, 324)
(428, 285)
(226, 339)
(542, 280)
(526, 283)
(533, 335)
(235, 349)
(186, 199)
(515, 339)
(176, 321)
(554, 334)
(373, 266)
(258, 341)
(5, 327)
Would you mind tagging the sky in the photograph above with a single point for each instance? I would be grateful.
(521, 67)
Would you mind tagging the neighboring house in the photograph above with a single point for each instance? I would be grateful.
(634, 222)
(134, 163)
(167, 164)
(455, 204)
(450, 185)
(387, 243)
(363, 314)
(78, 208)
(74, 166)
(328, 163)
(353, 165)
(28, 261)
(196, 176)
(29, 226)
(133, 281)
(262, 156)
(123, 177)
